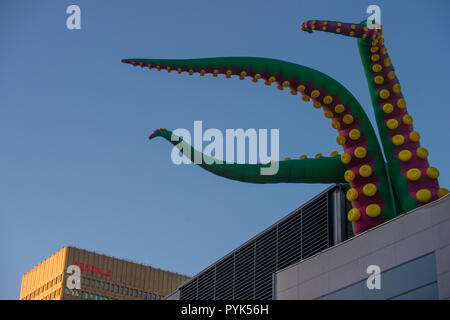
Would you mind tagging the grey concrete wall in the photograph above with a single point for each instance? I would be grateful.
(412, 251)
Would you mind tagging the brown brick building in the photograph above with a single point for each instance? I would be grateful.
(102, 278)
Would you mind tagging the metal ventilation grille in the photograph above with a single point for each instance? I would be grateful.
(244, 272)
(224, 278)
(206, 285)
(290, 241)
(189, 291)
(315, 228)
(265, 264)
(247, 272)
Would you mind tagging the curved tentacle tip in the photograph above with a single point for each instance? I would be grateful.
(306, 28)
(161, 132)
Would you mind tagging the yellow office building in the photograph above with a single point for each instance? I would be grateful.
(101, 278)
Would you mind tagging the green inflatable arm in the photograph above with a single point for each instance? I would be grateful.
(379, 191)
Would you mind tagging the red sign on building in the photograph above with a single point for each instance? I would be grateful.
(93, 269)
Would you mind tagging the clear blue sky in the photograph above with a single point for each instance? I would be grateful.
(76, 165)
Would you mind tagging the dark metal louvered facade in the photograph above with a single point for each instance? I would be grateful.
(246, 273)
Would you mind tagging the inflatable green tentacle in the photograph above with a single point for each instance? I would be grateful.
(376, 189)
(320, 170)
(414, 181)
